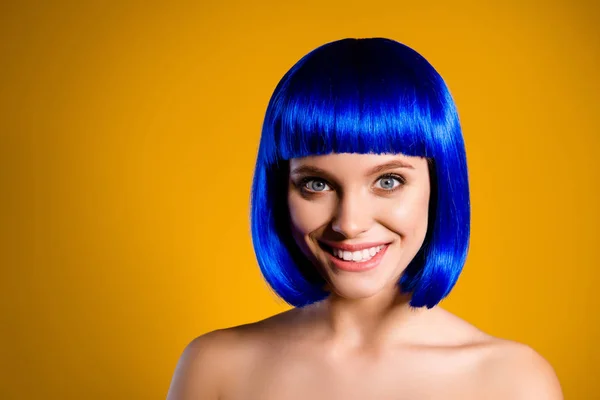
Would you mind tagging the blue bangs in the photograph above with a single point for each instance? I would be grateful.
(358, 97)
(362, 96)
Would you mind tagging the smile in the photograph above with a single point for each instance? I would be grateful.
(361, 255)
(360, 259)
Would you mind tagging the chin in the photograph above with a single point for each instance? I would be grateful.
(357, 287)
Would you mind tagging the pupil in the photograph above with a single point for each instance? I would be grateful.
(387, 183)
(317, 185)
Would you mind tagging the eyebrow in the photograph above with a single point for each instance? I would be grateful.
(307, 169)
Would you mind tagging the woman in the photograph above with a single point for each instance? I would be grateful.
(360, 219)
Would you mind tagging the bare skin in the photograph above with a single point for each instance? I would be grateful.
(364, 341)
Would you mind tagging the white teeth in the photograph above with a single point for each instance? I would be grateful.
(357, 256)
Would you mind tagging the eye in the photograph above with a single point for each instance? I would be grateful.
(389, 182)
(314, 185)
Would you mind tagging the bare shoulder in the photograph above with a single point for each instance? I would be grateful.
(205, 365)
(505, 368)
(516, 371)
(202, 368)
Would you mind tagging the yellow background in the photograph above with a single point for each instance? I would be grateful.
(128, 138)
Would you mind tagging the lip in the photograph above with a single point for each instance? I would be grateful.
(358, 266)
(353, 247)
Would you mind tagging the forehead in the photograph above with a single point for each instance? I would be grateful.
(355, 162)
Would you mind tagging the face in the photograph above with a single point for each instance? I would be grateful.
(360, 218)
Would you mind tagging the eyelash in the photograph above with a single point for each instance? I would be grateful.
(302, 183)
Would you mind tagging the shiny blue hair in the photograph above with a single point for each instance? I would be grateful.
(362, 96)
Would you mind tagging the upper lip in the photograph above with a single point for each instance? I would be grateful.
(353, 246)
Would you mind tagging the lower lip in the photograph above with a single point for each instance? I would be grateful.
(358, 266)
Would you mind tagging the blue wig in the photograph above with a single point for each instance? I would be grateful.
(362, 96)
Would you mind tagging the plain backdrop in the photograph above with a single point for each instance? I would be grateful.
(128, 137)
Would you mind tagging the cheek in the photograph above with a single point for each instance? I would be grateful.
(306, 216)
(409, 217)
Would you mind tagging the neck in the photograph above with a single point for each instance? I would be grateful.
(366, 322)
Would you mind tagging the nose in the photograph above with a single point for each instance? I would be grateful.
(353, 217)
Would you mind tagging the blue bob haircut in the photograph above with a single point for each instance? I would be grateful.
(375, 96)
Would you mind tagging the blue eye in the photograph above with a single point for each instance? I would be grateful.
(390, 182)
(315, 185)
(387, 183)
